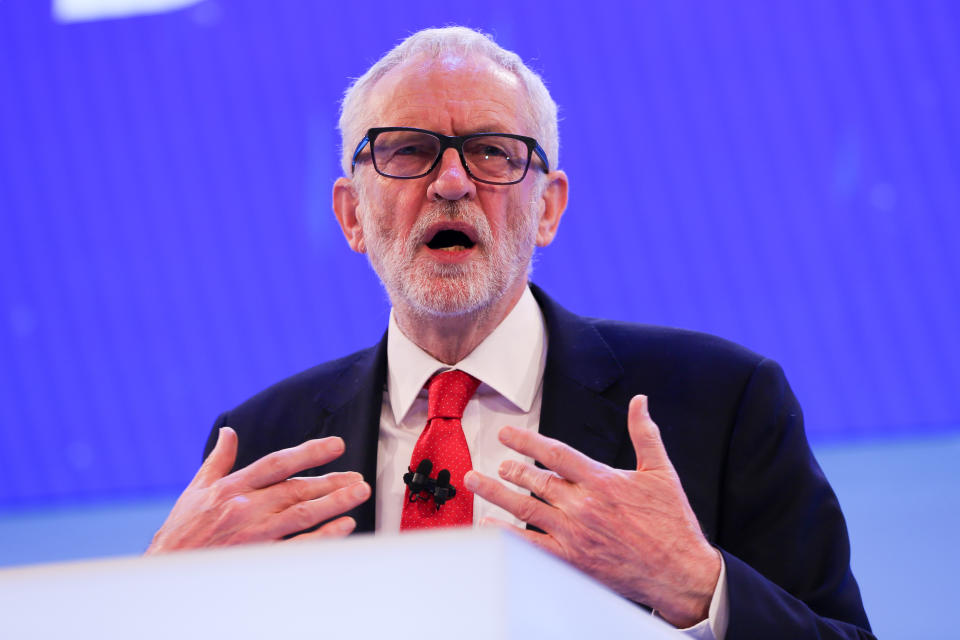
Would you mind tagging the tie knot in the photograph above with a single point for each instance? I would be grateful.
(448, 394)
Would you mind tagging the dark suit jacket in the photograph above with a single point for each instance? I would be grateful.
(730, 423)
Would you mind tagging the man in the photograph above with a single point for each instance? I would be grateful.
(721, 522)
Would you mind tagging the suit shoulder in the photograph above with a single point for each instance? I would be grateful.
(653, 344)
(288, 412)
(318, 383)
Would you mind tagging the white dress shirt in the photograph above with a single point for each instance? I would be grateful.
(509, 364)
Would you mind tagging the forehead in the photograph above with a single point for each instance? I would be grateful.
(452, 94)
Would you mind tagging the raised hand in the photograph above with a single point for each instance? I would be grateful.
(261, 502)
(632, 530)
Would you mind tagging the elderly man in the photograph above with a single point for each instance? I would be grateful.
(719, 520)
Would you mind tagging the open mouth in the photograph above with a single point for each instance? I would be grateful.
(450, 240)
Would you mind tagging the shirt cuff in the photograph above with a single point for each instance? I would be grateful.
(715, 626)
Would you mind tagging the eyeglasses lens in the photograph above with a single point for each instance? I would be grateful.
(496, 158)
(405, 154)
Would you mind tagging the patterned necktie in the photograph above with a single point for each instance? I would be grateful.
(443, 443)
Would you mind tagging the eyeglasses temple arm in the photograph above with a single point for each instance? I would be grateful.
(356, 152)
(536, 149)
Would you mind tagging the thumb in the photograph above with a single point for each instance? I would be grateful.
(645, 436)
(221, 459)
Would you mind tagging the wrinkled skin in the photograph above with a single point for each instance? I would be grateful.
(261, 502)
(632, 530)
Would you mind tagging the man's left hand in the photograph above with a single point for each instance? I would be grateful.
(632, 530)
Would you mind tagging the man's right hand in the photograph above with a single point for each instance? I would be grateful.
(261, 502)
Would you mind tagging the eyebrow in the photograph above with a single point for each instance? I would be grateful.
(486, 128)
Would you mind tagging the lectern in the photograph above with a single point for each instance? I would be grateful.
(439, 585)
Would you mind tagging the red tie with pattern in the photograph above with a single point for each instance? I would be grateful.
(443, 443)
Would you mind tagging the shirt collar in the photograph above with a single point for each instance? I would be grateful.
(510, 360)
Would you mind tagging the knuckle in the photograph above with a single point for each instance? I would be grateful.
(276, 464)
(298, 490)
(509, 470)
(546, 484)
(301, 515)
(556, 456)
(527, 509)
(551, 458)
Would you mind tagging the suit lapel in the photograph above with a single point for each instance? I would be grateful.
(580, 367)
(351, 409)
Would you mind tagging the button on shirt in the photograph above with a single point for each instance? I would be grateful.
(509, 364)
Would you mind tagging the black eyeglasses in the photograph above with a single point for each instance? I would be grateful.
(407, 153)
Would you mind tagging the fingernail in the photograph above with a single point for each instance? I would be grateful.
(643, 406)
(360, 491)
(470, 480)
(337, 445)
(346, 526)
(504, 468)
(505, 434)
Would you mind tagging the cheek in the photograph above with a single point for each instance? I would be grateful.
(500, 209)
(392, 211)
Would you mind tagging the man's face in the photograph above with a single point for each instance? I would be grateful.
(445, 244)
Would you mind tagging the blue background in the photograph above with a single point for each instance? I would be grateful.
(783, 174)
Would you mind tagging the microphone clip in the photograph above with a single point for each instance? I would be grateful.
(424, 488)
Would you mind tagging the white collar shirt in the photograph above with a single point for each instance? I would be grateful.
(509, 364)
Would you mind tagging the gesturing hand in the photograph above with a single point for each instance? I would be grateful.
(632, 530)
(261, 502)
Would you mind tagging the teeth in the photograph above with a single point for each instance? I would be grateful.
(453, 248)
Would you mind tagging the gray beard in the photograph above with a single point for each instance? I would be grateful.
(447, 290)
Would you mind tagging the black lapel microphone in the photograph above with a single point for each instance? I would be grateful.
(419, 480)
(423, 487)
(443, 491)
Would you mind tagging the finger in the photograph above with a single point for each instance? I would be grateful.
(339, 528)
(220, 461)
(304, 515)
(524, 507)
(546, 484)
(282, 464)
(542, 540)
(645, 436)
(293, 490)
(553, 454)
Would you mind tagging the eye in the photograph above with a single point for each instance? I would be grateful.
(493, 151)
(409, 150)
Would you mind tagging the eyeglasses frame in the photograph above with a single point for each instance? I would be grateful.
(450, 142)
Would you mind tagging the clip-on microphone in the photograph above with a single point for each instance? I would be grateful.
(419, 481)
(423, 487)
(443, 491)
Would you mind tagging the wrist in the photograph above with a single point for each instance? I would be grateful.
(692, 605)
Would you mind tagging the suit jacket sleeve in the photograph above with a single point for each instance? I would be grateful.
(781, 530)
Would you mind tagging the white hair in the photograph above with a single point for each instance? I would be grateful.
(541, 109)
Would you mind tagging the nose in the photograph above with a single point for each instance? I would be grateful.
(451, 181)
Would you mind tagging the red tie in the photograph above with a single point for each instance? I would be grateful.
(443, 443)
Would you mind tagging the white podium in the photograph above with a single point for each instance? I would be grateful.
(443, 585)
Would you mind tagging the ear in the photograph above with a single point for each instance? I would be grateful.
(554, 201)
(345, 208)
